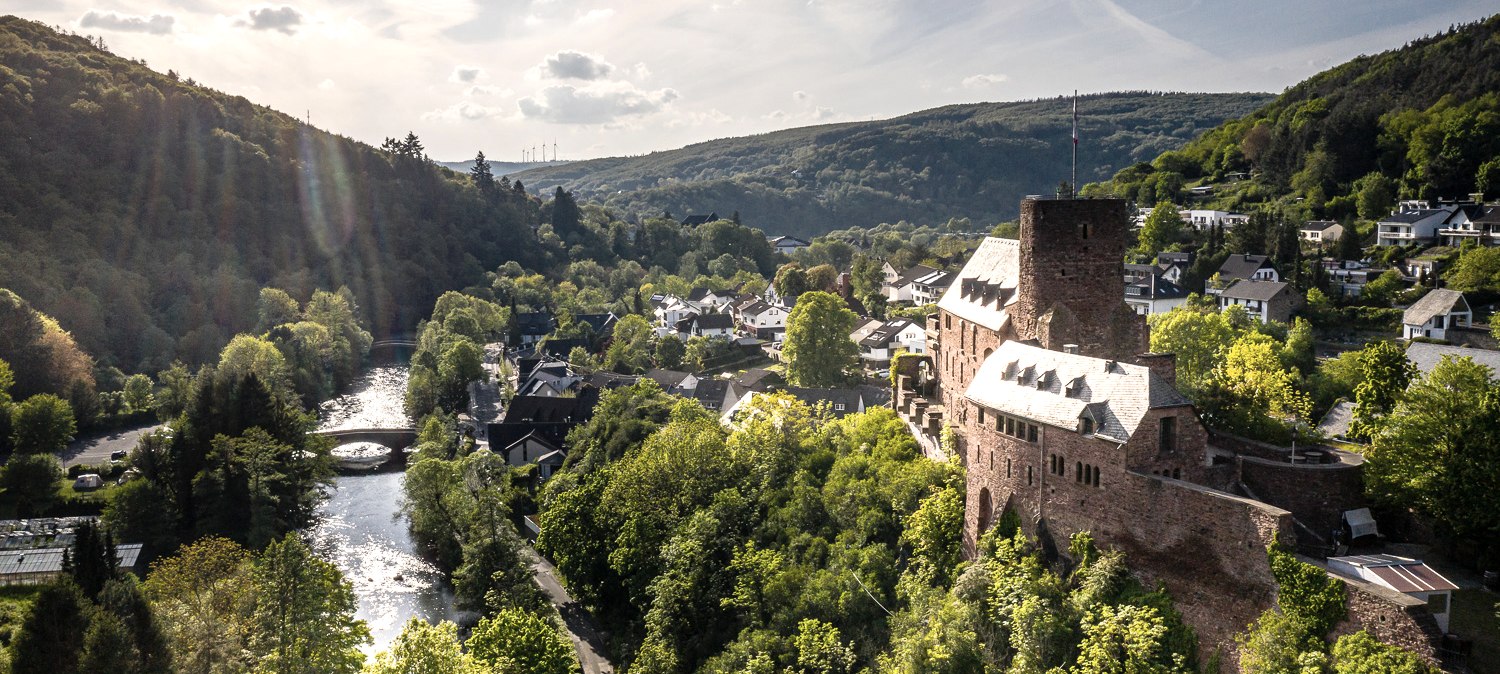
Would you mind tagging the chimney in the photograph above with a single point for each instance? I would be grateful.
(1070, 348)
(1163, 364)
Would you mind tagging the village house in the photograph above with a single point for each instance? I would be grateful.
(762, 320)
(787, 244)
(1439, 311)
(1243, 267)
(531, 327)
(1321, 231)
(706, 325)
(901, 286)
(1154, 294)
(1481, 227)
(927, 289)
(1174, 265)
(696, 220)
(881, 342)
(1202, 220)
(1417, 221)
(704, 300)
(1265, 301)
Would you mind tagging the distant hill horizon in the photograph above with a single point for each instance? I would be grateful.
(975, 161)
(501, 168)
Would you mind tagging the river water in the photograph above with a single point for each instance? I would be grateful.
(361, 529)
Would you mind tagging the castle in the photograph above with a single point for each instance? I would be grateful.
(1061, 417)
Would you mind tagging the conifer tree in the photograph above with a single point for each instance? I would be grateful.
(481, 175)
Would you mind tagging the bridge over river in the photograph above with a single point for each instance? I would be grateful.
(394, 438)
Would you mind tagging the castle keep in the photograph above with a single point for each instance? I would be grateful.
(1061, 416)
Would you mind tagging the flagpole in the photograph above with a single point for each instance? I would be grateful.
(1073, 186)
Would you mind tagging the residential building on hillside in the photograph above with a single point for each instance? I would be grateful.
(927, 289)
(706, 325)
(1439, 311)
(787, 244)
(1174, 265)
(1205, 220)
(1154, 295)
(1243, 267)
(1266, 301)
(762, 320)
(533, 326)
(902, 288)
(1482, 227)
(1322, 231)
(880, 344)
(695, 220)
(1418, 222)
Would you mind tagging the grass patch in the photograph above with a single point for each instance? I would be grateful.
(1474, 618)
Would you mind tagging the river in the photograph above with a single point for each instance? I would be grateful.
(361, 529)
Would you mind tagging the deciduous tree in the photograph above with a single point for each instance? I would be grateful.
(304, 614)
(42, 424)
(817, 349)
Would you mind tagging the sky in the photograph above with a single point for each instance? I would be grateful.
(623, 78)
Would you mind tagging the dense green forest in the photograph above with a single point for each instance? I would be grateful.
(973, 160)
(145, 212)
(1421, 121)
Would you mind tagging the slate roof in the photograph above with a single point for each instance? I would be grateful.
(533, 435)
(1242, 266)
(1335, 423)
(1263, 291)
(986, 284)
(1437, 302)
(755, 308)
(911, 275)
(505, 434)
(535, 323)
(937, 279)
(757, 379)
(1154, 288)
(848, 397)
(1141, 270)
(1491, 216)
(693, 220)
(1116, 394)
(711, 392)
(882, 336)
(698, 294)
(666, 379)
(1318, 225)
(599, 323)
(714, 321)
(1413, 217)
(542, 408)
(778, 240)
(1425, 356)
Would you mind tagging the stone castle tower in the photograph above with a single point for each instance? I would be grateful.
(1069, 285)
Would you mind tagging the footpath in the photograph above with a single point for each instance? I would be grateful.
(582, 629)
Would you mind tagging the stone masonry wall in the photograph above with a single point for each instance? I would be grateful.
(1389, 616)
(1317, 495)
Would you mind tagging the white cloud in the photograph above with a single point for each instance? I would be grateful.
(156, 24)
(328, 85)
(486, 90)
(983, 80)
(576, 65)
(465, 74)
(799, 95)
(823, 113)
(776, 115)
(463, 111)
(602, 104)
(283, 19)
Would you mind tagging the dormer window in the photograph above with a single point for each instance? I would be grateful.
(1085, 425)
(1010, 370)
(1074, 388)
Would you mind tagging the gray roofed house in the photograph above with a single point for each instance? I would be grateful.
(1439, 311)
(716, 395)
(1335, 423)
(672, 381)
(695, 220)
(706, 325)
(1154, 295)
(1058, 389)
(903, 288)
(1321, 231)
(1244, 267)
(533, 326)
(1265, 300)
(1425, 356)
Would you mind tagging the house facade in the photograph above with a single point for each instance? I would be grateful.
(1243, 267)
(1438, 312)
(1264, 300)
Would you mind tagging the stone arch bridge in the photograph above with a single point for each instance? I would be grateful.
(394, 438)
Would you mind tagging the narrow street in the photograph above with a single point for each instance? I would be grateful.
(581, 627)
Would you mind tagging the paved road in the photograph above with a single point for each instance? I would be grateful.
(581, 628)
(97, 449)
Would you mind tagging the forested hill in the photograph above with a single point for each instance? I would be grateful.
(975, 161)
(1421, 121)
(145, 213)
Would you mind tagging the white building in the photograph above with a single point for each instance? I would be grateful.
(1439, 311)
(1405, 575)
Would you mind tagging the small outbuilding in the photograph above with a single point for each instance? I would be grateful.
(1402, 574)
